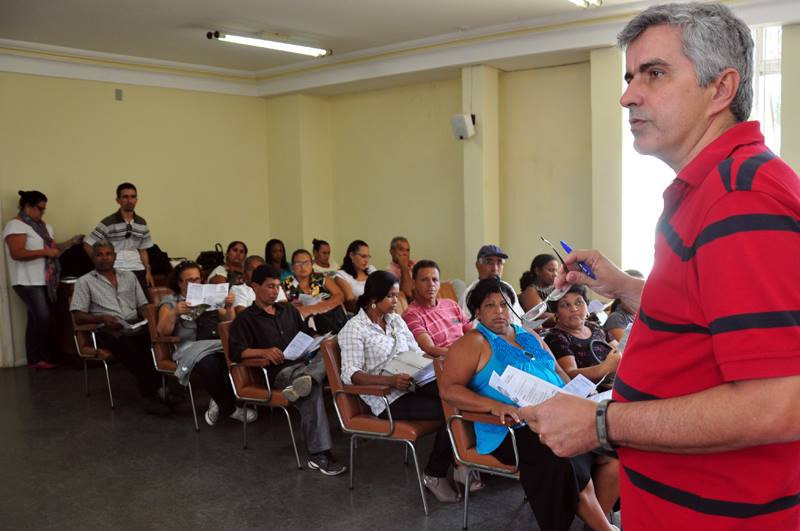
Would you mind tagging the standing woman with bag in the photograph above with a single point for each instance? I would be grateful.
(32, 258)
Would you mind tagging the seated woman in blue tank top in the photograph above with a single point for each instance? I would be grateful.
(557, 488)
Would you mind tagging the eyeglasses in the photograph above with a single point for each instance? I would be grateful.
(128, 230)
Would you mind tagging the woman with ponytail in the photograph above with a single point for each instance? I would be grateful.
(32, 258)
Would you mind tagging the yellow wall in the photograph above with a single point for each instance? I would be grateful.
(545, 162)
(397, 170)
(198, 159)
(790, 100)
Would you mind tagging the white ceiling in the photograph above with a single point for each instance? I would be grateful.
(174, 30)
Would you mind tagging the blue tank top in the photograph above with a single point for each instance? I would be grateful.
(533, 360)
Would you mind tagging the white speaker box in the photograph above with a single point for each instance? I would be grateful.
(463, 125)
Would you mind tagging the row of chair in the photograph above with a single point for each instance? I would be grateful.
(252, 388)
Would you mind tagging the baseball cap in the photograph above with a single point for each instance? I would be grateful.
(491, 250)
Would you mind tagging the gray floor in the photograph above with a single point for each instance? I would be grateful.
(70, 462)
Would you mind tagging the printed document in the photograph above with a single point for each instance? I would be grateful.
(302, 344)
(528, 390)
(415, 364)
(211, 294)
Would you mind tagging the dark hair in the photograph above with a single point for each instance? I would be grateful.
(529, 277)
(30, 198)
(347, 262)
(376, 287)
(317, 244)
(126, 186)
(234, 242)
(300, 251)
(268, 255)
(632, 272)
(263, 272)
(483, 289)
(580, 289)
(424, 264)
(174, 278)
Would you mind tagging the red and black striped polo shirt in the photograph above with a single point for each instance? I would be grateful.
(722, 304)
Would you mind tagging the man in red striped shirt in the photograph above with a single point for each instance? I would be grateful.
(705, 412)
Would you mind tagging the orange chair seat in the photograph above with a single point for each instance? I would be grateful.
(100, 353)
(403, 429)
(167, 365)
(259, 392)
(471, 455)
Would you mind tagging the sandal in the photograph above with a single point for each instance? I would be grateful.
(460, 476)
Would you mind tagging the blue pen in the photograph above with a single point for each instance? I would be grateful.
(582, 265)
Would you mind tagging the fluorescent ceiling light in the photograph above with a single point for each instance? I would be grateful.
(587, 3)
(272, 45)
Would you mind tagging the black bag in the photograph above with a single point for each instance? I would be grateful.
(75, 262)
(331, 321)
(207, 325)
(208, 260)
(159, 261)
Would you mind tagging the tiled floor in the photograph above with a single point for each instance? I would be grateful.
(70, 462)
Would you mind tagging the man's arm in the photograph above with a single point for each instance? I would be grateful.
(723, 418)
(146, 262)
(90, 318)
(406, 282)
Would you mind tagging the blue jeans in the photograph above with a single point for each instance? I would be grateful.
(37, 331)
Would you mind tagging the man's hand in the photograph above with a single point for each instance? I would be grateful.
(403, 260)
(611, 281)
(273, 355)
(502, 411)
(109, 321)
(565, 423)
(401, 381)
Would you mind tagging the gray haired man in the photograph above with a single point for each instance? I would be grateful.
(705, 414)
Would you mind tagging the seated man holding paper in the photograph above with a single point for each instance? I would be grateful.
(557, 488)
(370, 343)
(111, 298)
(276, 333)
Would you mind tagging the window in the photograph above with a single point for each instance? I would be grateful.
(645, 178)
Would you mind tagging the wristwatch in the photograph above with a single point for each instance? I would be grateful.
(601, 423)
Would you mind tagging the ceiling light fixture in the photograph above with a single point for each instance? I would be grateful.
(587, 3)
(272, 45)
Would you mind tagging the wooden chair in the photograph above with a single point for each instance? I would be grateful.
(357, 419)
(161, 349)
(157, 293)
(248, 387)
(446, 291)
(462, 438)
(86, 347)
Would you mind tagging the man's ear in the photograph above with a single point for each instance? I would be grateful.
(725, 87)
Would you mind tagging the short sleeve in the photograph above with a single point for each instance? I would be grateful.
(81, 297)
(559, 344)
(141, 300)
(240, 338)
(414, 321)
(615, 320)
(97, 235)
(747, 285)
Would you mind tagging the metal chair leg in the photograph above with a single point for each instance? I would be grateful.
(194, 411)
(85, 377)
(108, 383)
(419, 477)
(163, 388)
(466, 497)
(352, 459)
(291, 434)
(244, 428)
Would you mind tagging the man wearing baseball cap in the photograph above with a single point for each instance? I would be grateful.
(489, 263)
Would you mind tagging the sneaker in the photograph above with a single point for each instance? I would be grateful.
(212, 413)
(239, 414)
(154, 406)
(325, 463)
(300, 388)
(440, 488)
